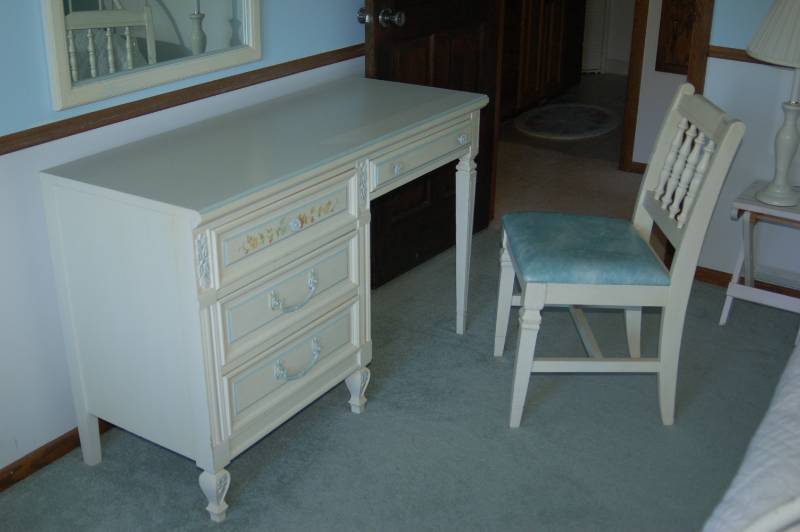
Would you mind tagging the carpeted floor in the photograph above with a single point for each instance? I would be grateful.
(433, 451)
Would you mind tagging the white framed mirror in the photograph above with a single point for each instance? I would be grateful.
(98, 49)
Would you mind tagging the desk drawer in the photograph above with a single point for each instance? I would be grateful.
(282, 232)
(399, 163)
(279, 373)
(274, 305)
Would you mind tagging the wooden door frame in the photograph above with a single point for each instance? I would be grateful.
(698, 60)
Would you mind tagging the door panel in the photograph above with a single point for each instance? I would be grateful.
(444, 43)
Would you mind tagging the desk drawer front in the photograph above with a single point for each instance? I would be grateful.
(276, 231)
(256, 313)
(256, 387)
(405, 160)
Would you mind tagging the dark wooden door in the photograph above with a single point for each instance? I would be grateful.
(542, 51)
(443, 43)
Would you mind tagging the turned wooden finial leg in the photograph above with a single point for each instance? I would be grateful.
(215, 487)
(357, 384)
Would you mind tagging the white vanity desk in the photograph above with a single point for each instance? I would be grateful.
(214, 280)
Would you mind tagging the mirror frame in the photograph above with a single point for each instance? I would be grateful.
(65, 94)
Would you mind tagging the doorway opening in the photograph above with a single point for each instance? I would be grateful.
(572, 174)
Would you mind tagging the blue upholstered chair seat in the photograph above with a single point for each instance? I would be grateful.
(550, 247)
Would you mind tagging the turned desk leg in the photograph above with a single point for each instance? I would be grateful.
(215, 487)
(357, 385)
(465, 206)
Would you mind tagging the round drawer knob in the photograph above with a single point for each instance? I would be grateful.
(295, 225)
(397, 168)
(462, 139)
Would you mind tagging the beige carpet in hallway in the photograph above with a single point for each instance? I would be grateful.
(534, 178)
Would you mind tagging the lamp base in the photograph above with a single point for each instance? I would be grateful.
(780, 196)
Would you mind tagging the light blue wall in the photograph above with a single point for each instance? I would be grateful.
(735, 21)
(290, 29)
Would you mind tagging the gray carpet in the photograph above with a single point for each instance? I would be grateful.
(433, 451)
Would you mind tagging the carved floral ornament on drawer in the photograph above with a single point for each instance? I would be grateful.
(276, 231)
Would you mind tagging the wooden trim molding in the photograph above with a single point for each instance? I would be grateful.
(635, 63)
(701, 39)
(716, 277)
(44, 455)
(637, 167)
(733, 54)
(104, 117)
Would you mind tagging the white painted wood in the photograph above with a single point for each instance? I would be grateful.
(696, 181)
(66, 94)
(45, 408)
(603, 365)
(530, 319)
(737, 272)
(747, 207)
(112, 66)
(190, 329)
(687, 176)
(465, 207)
(215, 487)
(585, 332)
(672, 156)
(678, 167)
(633, 330)
(747, 246)
(672, 299)
(394, 165)
(357, 385)
(357, 116)
(504, 299)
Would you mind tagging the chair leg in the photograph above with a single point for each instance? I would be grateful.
(530, 318)
(669, 354)
(504, 294)
(633, 327)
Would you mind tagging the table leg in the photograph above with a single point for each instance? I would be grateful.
(747, 247)
(737, 272)
(465, 205)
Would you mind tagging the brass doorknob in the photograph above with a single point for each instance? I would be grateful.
(387, 16)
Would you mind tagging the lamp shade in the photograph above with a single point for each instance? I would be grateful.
(777, 40)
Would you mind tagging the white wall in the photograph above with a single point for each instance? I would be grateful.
(618, 43)
(35, 402)
(656, 91)
(752, 93)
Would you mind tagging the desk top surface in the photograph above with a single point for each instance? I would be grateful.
(206, 165)
(747, 201)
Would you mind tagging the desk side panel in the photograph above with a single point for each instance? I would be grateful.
(118, 265)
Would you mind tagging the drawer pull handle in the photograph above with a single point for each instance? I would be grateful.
(397, 168)
(462, 139)
(282, 374)
(276, 303)
(295, 225)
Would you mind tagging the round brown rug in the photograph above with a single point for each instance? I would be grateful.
(568, 121)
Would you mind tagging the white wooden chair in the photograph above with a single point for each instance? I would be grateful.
(118, 50)
(572, 260)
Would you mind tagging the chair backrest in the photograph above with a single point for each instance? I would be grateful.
(107, 22)
(693, 153)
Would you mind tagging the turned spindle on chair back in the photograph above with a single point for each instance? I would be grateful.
(107, 22)
(693, 153)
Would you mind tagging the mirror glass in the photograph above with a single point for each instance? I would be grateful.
(102, 48)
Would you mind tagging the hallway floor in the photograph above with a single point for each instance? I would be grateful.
(568, 176)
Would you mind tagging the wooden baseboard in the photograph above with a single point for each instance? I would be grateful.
(635, 167)
(44, 455)
(707, 275)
